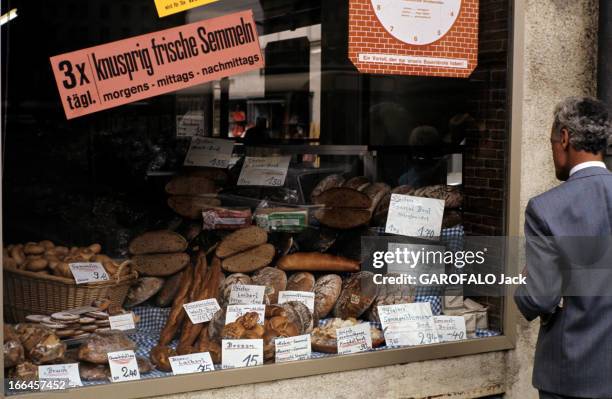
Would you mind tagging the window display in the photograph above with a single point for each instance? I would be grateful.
(226, 225)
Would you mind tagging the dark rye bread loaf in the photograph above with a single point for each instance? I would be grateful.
(250, 260)
(191, 185)
(241, 240)
(157, 242)
(357, 182)
(343, 218)
(191, 207)
(342, 197)
(160, 265)
(325, 184)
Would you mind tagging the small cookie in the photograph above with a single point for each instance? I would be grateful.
(97, 315)
(65, 317)
(102, 323)
(46, 319)
(64, 333)
(86, 320)
(35, 318)
(54, 326)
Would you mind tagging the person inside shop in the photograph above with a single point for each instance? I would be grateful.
(257, 134)
(569, 259)
(424, 169)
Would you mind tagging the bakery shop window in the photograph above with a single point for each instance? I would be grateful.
(257, 217)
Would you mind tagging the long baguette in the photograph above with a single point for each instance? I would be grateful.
(315, 262)
(177, 314)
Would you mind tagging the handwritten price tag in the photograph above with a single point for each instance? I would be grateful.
(123, 366)
(237, 353)
(246, 294)
(201, 311)
(450, 328)
(354, 339)
(122, 322)
(403, 312)
(235, 311)
(190, 124)
(88, 272)
(414, 216)
(54, 372)
(292, 348)
(408, 324)
(193, 363)
(264, 171)
(213, 153)
(305, 297)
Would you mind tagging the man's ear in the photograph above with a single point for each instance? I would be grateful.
(565, 138)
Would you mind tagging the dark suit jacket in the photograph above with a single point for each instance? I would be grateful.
(569, 256)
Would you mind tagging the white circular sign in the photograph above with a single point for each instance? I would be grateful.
(417, 22)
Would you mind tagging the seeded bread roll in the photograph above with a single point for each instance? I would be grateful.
(302, 281)
(241, 240)
(327, 290)
(358, 293)
(157, 242)
(250, 260)
(343, 197)
(190, 185)
(327, 183)
(317, 262)
(275, 281)
(191, 207)
(160, 265)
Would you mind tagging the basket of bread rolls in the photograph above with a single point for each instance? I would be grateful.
(38, 279)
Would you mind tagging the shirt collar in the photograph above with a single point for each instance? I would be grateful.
(589, 164)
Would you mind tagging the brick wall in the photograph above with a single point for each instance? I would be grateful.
(367, 35)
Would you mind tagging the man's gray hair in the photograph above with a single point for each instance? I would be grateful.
(587, 121)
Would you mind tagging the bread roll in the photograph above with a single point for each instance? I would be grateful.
(343, 197)
(358, 293)
(301, 281)
(191, 207)
(327, 290)
(317, 262)
(241, 240)
(250, 260)
(191, 185)
(157, 242)
(275, 281)
(160, 265)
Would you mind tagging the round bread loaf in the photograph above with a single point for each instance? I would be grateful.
(241, 240)
(358, 293)
(357, 182)
(327, 290)
(299, 314)
(169, 290)
(302, 281)
(327, 183)
(250, 260)
(160, 241)
(229, 282)
(391, 294)
(216, 324)
(143, 289)
(275, 281)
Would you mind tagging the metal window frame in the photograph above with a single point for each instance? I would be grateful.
(225, 378)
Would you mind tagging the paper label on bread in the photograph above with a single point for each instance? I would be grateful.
(246, 294)
(292, 348)
(307, 298)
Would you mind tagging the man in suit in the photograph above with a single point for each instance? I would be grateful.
(568, 234)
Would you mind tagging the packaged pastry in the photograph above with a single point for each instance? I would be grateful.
(41, 345)
(13, 350)
(216, 218)
(96, 347)
(285, 220)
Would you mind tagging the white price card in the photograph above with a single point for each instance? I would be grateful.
(305, 297)
(354, 339)
(292, 348)
(123, 366)
(212, 153)
(193, 363)
(246, 294)
(122, 322)
(237, 353)
(235, 311)
(264, 171)
(414, 216)
(67, 372)
(88, 272)
(201, 311)
(403, 312)
(190, 124)
(450, 328)
(411, 333)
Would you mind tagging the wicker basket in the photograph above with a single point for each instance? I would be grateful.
(28, 293)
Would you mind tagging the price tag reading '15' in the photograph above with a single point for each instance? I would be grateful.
(414, 216)
(201, 311)
(67, 372)
(450, 328)
(122, 322)
(237, 353)
(123, 366)
(88, 272)
(235, 311)
(193, 363)
(264, 171)
(354, 339)
(213, 153)
(292, 348)
(246, 294)
(305, 297)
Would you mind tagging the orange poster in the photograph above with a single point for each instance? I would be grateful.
(414, 37)
(117, 73)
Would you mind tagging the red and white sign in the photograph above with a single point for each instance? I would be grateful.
(121, 72)
(414, 37)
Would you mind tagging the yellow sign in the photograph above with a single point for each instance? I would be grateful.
(169, 7)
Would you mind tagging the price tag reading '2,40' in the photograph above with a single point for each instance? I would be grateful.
(213, 153)
(264, 171)
(237, 353)
(123, 366)
(88, 272)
